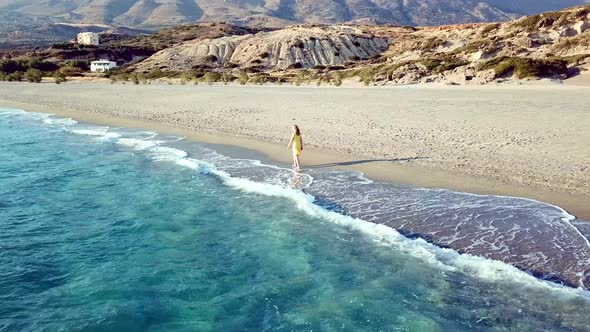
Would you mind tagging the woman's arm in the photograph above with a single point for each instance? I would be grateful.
(290, 141)
(301, 138)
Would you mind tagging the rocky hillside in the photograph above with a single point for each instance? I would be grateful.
(550, 45)
(295, 47)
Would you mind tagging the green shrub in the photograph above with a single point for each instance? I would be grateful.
(71, 71)
(243, 77)
(8, 66)
(17, 76)
(155, 73)
(64, 46)
(301, 77)
(489, 28)
(471, 47)
(525, 67)
(211, 77)
(185, 78)
(59, 77)
(431, 64)
(33, 75)
(259, 79)
(367, 75)
(431, 44)
(135, 78)
(82, 65)
(442, 63)
(227, 78)
(575, 59)
(581, 40)
(558, 18)
(35, 63)
(337, 77)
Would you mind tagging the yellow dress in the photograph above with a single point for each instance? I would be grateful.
(296, 144)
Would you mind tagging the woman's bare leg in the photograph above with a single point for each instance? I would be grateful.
(297, 162)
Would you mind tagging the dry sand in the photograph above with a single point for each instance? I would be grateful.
(529, 141)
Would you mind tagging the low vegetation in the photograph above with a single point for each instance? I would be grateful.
(33, 75)
(559, 18)
(579, 41)
(526, 67)
(30, 69)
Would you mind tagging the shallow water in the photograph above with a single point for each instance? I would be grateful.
(108, 229)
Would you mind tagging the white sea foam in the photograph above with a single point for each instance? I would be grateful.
(60, 121)
(24, 114)
(98, 131)
(137, 144)
(163, 153)
(446, 259)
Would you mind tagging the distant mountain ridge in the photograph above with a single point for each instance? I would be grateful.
(34, 23)
(162, 13)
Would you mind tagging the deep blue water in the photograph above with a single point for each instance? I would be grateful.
(110, 229)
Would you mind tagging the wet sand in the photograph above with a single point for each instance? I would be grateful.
(519, 140)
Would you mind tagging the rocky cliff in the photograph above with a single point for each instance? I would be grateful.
(294, 47)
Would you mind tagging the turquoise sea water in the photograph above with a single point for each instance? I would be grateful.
(110, 229)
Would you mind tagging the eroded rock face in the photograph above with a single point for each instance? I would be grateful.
(304, 47)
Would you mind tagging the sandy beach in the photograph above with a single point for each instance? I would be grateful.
(528, 141)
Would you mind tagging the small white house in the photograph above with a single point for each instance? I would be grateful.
(102, 65)
(88, 38)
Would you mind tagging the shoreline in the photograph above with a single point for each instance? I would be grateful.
(399, 170)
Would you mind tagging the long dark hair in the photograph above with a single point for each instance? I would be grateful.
(297, 131)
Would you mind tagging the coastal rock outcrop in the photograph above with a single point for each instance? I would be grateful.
(294, 47)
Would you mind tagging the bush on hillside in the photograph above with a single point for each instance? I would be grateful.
(17, 76)
(430, 44)
(227, 78)
(489, 28)
(211, 77)
(259, 79)
(9, 66)
(243, 77)
(33, 75)
(337, 78)
(526, 67)
(71, 71)
(59, 77)
(82, 65)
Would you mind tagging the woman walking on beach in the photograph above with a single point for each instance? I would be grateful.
(296, 143)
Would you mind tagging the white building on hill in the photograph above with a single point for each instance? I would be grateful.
(102, 65)
(88, 38)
